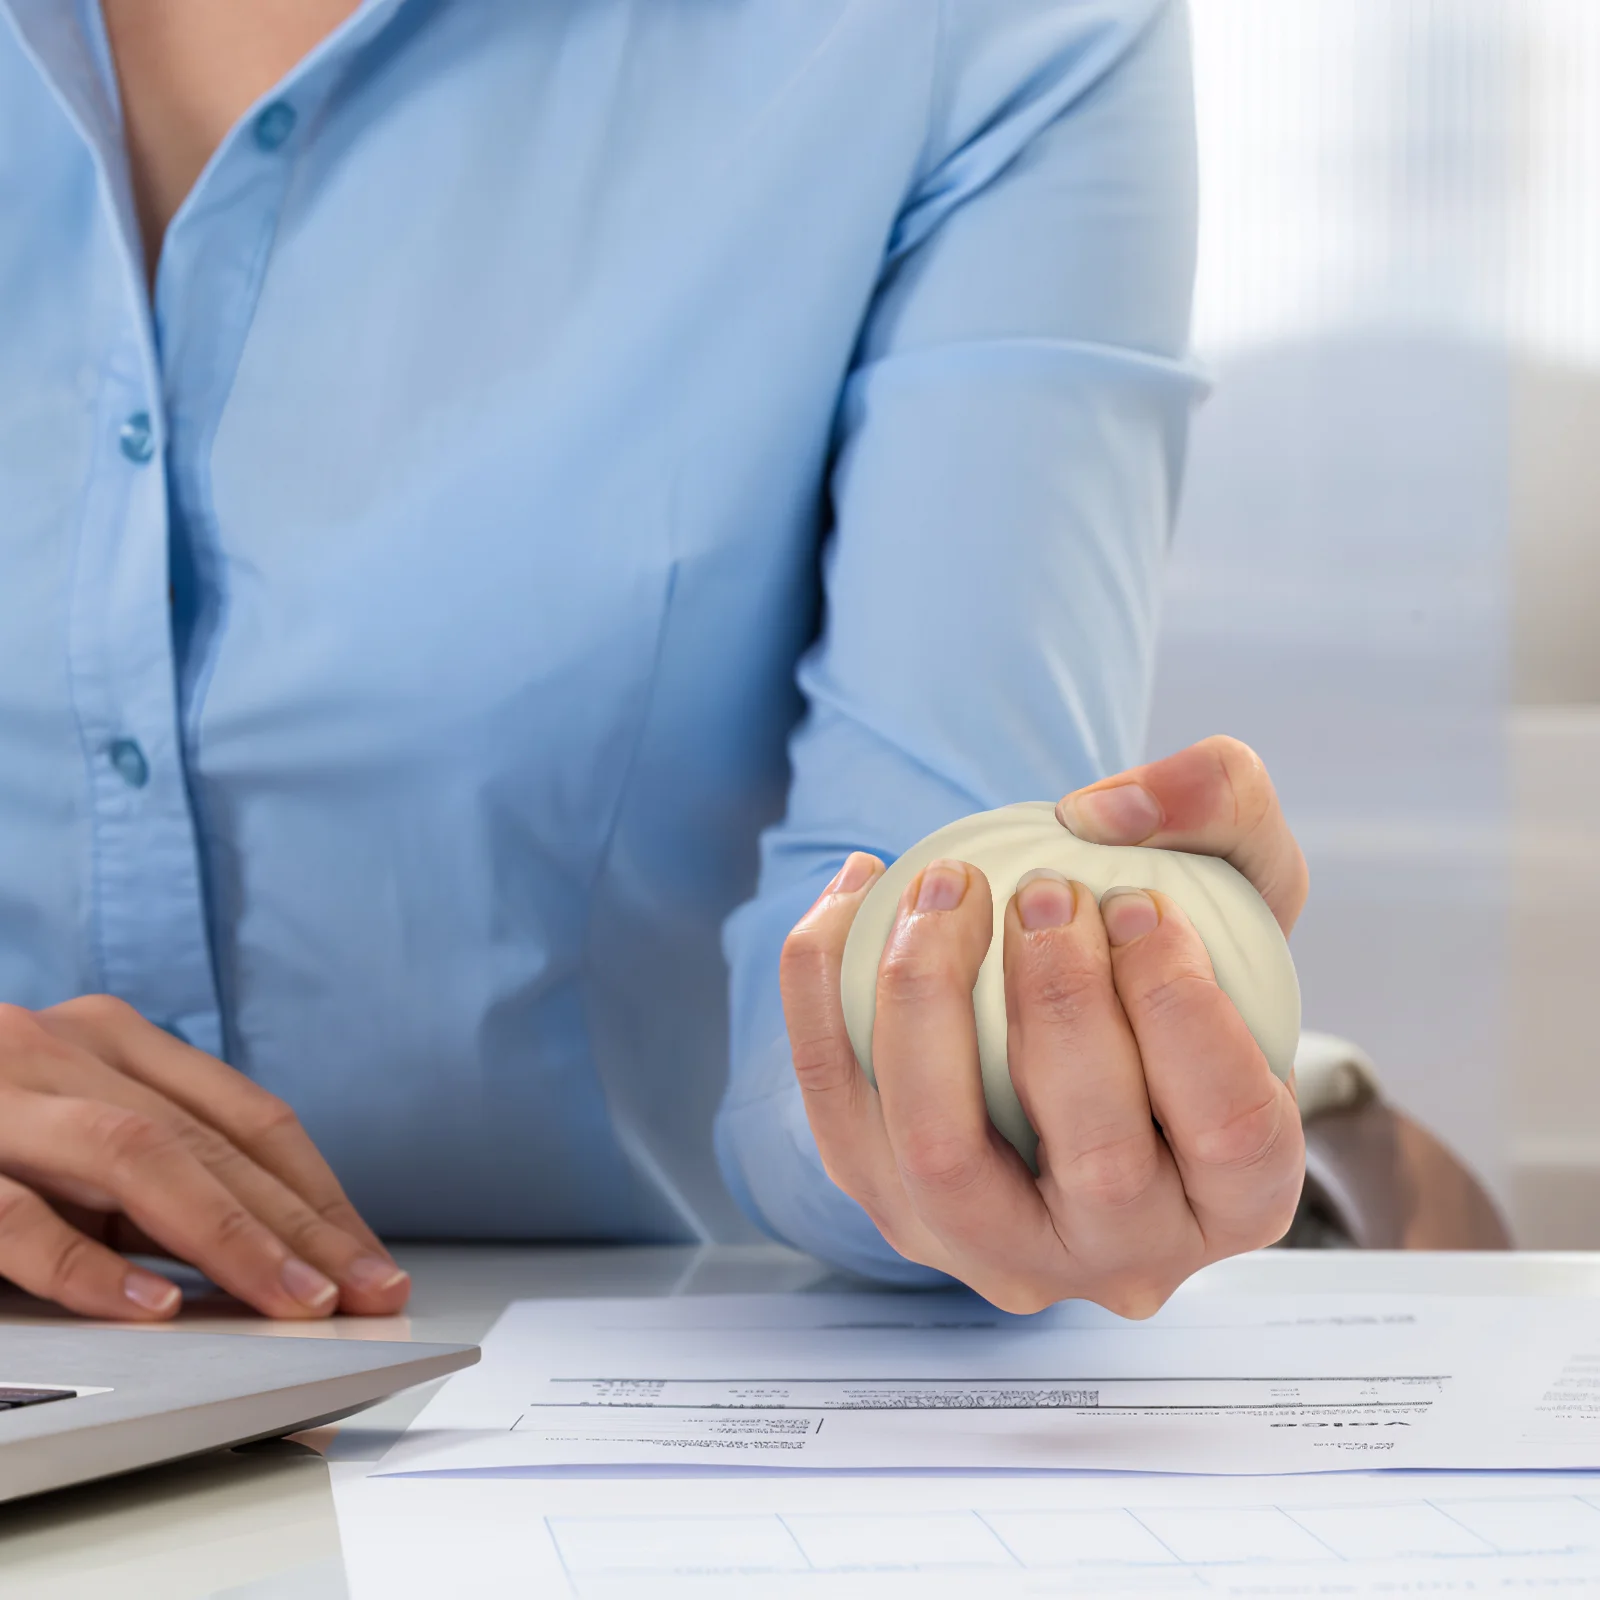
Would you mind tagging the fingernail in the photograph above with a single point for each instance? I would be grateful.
(943, 885)
(307, 1285)
(1129, 914)
(149, 1292)
(1045, 899)
(1123, 815)
(855, 874)
(372, 1274)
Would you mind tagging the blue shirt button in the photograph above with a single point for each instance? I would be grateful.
(128, 759)
(274, 125)
(138, 439)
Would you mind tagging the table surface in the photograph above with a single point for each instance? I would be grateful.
(260, 1524)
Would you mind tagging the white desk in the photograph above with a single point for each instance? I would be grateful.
(261, 1526)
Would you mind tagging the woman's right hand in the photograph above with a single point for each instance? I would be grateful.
(115, 1135)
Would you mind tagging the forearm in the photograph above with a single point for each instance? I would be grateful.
(1011, 447)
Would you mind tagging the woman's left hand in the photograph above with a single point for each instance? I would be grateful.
(1165, 1142)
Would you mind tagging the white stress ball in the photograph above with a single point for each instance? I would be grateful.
(1248, 951)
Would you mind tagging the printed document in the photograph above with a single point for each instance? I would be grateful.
(879, 1381)
(822, 1536)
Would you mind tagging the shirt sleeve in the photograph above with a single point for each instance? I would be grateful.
(1011, 442)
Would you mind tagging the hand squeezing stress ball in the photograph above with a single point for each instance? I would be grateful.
(1138, 1122)
(1248, 952)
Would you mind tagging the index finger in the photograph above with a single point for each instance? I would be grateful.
(842, 1108)
(257, 1122)
(1214, 799)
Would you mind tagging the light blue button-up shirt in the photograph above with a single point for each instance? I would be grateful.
(567, 439)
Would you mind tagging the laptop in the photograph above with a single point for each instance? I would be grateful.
(82, 1403)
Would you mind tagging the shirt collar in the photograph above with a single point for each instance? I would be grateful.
(67, 44)
(66, 41)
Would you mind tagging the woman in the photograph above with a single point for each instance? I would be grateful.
(421, 424)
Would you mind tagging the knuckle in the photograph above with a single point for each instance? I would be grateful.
(99, 1013)
(21, 1210)
(843, 1177)
(803, 951)
(100, 1008)
(127, 1138)
(941, 1161)
(819, 1065)
(1247, 1140)
(1136, 1296)
(1268, 1222)
(207, 1146)
(31, 1055)
(905, 1245)
(807, 968)
(1281, 1203)
(1278, 1218)
(70, 1261)
(888, 1218)
(1269, 1159)
(1174, 996)
(1113, 1174)
(19, 1028)
(233, 1227)
(302, 1230)
(910, 975)
(266, 1113)
(337, 1212)
(1060, 995)
(1243, 774)
(1233, 754)
(1288, 1206)
(199, 1140)
(1022, 1298)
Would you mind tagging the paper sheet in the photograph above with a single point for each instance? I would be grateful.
(1214, 1384)
(818, 1536)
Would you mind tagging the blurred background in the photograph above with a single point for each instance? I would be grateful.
(1387, 574)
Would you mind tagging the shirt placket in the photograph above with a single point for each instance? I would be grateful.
(148, 910)
(144, 911)
(160, 388)
(213, 262)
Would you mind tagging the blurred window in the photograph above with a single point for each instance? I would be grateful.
(1387, 574)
